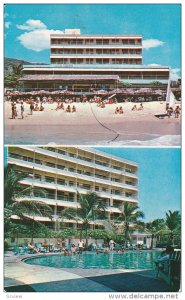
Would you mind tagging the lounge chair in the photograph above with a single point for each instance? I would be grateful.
(40, 247)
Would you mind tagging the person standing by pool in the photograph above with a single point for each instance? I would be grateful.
(111, 245)
(80, 246)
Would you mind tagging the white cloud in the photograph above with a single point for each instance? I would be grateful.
(7, 24)
(175, 74)
(37, 40)
(152, 43)
(37, 37)
(154, 65)
(32, 25)
(6, 15)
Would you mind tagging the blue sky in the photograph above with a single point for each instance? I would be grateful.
(159, 178)
(28, 26)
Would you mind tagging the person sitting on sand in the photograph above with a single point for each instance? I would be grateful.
(36, 107)
(134, 107)
(141, 107)
(177, 111)
(68, 109)
(121, 110)
(73, 108)
(61, 105)
(102, 105)
(41, 107)
(117, 110)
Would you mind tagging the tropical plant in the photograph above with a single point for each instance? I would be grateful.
(11, 80)
(91, 209)
(155, 228)
(129, 220)
(173, 224)
(15, 202)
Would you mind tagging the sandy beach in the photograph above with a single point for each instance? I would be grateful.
(92, 125)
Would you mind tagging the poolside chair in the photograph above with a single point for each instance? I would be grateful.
(20, 249)
(92, 247)
(40, 247)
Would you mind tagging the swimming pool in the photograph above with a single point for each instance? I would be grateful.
(128, 260)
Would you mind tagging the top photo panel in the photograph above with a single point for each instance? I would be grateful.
(92, 74)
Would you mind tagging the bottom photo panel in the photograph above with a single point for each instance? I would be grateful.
(99, 219)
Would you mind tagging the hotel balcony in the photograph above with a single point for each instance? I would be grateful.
(66, 172)
(94, 46)
(74, 189)
(95, 55)
(65, 203)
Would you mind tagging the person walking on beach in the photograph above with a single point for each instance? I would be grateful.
(177, 111)
(31, 108)
(22, 109)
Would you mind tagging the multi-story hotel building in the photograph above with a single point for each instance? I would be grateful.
(64, 172)
(85, 63)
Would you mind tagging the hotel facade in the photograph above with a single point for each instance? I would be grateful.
(66, 172)
(87, 63)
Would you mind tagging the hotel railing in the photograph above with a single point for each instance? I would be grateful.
(74, 189)
(66, 171)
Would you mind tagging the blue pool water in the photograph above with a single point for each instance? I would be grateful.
(128, 260)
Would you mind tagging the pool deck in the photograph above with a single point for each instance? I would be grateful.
(22, 277)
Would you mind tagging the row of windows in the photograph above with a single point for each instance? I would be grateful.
(96, 51)
(99, 41)
(95, 61)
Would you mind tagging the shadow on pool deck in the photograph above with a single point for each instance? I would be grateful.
(120, 282)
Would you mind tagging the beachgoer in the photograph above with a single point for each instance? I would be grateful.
(169, 112)
(31, 108)
(117, 110)
(41, 107)
(36, 107)
(22, 110)
(73, 108)
(177, 111)
(111, 245)
(141, 107)
(134, 107)
(13, 111)
(68, 109)
(121, 110)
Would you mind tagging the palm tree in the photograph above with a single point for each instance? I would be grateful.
(173, 223)
(11, 80)
(14, 202)
(154, 227)
(91, 209)
(129, 220)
